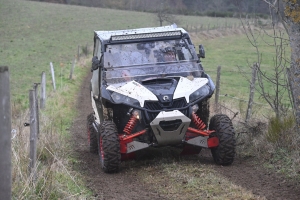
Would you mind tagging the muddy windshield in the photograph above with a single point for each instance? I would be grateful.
(142, 61)
(142, 73)
(166, 51)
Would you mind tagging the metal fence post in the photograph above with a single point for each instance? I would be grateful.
(53, 75)
(5, 135)
(78, 53)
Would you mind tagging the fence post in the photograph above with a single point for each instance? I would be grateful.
(43, 91)
(78, 53)
(5, 135)
(53, 76)
(252, 89)
(35, 87)
(291, 87)
(72, 69)
(33, 134)
(217, 87)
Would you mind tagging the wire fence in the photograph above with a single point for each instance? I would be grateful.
(243, 105)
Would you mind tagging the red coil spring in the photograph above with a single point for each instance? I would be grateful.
(198, 122)
(130, 125)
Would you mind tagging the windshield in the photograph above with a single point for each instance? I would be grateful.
(117, 55)
(142, 73)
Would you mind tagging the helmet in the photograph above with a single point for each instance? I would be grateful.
(167, 49)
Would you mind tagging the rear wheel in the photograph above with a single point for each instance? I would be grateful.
(92, 134)
(225, 152)
(109, 147)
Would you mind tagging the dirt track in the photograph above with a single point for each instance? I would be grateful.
(126, 184)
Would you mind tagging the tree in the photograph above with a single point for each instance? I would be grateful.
(163, 14)
(291, 22)
(272, 85)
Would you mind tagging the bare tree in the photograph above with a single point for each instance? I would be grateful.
(272, 85)
(164, 15)
(291, 22)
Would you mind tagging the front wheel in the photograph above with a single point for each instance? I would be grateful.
(109, 147)
(225, 152)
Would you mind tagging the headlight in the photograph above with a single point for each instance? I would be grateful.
(137, 114)
(195, 108)
(199, 94)
(120, 98)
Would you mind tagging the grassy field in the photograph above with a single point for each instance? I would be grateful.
(33, 34)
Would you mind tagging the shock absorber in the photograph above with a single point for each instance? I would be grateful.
(198, 122)
(130, 125)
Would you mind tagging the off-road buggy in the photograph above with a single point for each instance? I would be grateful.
(149, 89)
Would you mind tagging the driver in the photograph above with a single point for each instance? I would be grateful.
(169, 54)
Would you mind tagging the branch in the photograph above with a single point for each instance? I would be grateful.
(273, 6)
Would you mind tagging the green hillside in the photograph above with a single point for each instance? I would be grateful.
(33, 34)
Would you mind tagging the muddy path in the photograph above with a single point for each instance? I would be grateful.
(247, 173)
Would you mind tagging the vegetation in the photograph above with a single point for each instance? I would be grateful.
(213, 8)
(34, 34)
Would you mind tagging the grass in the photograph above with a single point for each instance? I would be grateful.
(55, 178)
(232, 53)
(176, 177)
(33, 34)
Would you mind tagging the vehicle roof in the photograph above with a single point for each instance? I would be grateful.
(106, 35)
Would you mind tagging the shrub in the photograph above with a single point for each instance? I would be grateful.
(280, 131)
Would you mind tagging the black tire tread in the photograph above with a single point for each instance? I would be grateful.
(223, 154)
(111, 147)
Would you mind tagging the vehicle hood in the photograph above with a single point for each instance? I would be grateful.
(161, 89)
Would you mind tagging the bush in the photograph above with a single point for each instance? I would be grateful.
(280, 131)
(219, 14)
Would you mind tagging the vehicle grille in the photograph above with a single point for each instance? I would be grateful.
(156, 105)
(177, 104)
(170, 125)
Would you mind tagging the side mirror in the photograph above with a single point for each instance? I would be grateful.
(95, 63)
(201, 51)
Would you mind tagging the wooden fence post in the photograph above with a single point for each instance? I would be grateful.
(53, 76)
(43, 91)
(5, 135)
(252, 90)
(291, 87)
(217, 88)
(72, 69)
(35, 87)
(33, 134)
